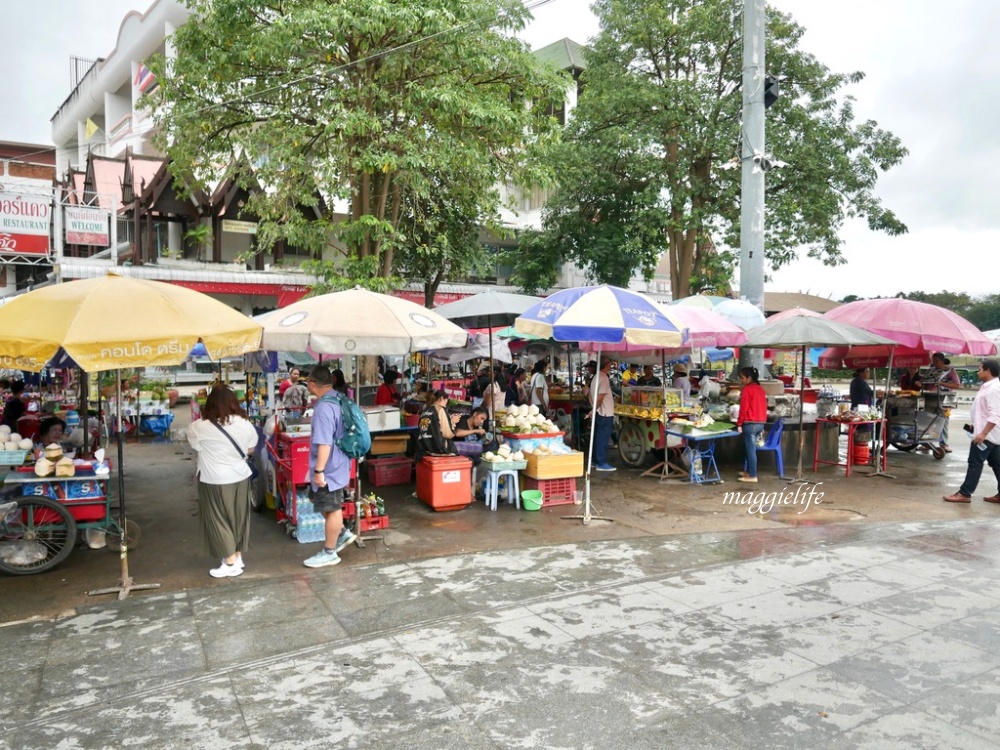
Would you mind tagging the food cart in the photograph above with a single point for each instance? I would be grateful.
(916, 418)
(40, 517)
(642, 415)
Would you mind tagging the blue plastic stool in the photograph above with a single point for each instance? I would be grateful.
(493, 488)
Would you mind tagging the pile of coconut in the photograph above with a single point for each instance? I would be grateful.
(12, 441)
(527, 419)
(54, 462)
(503, 454)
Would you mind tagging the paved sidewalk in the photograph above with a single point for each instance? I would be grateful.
(840, 636)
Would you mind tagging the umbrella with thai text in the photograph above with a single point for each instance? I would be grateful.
(601, 315)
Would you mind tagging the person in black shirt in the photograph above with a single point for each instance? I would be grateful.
(861, 393)
(15, 408)
(648, 379)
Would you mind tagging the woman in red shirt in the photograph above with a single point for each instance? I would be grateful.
(753, 417)
(387, 395)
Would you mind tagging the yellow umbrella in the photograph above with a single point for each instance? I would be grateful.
(113, 322)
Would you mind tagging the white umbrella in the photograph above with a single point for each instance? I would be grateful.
(479, 346)
(740, 313)
(358, 322)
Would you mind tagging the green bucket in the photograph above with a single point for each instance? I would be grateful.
(531, 500)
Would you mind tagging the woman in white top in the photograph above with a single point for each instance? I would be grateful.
(538, 389)
(223, 438)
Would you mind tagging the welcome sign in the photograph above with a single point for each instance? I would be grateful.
(87, 226)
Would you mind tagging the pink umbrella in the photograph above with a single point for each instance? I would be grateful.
(917, 325)
(795, 312)
(705, 329)
(852, 358)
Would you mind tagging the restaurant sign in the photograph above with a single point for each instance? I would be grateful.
(87, 226)
(24, 223)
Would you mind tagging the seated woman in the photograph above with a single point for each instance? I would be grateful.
(50, 430)
(387, 395)
(436, 431)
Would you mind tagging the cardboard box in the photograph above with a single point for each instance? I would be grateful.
(558, 466)
(382, 418)
(387, 445)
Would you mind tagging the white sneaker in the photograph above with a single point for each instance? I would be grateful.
(226, 571)
(321, 559)
(346, 537)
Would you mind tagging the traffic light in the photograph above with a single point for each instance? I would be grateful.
(771, 91)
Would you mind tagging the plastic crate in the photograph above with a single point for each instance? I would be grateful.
(554, 491)
(384, 471)
(374, 523)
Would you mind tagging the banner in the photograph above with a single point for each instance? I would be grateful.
(87, 226)
(24, 223)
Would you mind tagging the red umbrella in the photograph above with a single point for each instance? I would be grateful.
(852, 358)
(915, 324)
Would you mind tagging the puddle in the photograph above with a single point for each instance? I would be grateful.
(812, 517)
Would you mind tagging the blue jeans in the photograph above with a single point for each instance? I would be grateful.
(751, 430)
(977, 458)
(602, 438)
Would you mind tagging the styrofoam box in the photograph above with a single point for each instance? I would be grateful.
(382, 418)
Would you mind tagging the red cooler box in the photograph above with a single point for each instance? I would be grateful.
(445, 482)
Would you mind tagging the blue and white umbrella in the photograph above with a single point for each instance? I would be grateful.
(600, 315)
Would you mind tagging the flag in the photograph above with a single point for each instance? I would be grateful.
(145, 81)
(90, 129)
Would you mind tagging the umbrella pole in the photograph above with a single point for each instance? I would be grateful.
(125, 583)
(880, 444)
(361, 539)
(489, 329)
(799, 478)
(589, 458)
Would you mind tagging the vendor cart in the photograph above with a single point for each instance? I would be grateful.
(917, 419)
(40, 518)
(642, 415)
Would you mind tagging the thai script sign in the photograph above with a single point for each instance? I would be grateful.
(87, 226)
(24, 223)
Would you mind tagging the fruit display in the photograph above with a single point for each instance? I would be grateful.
(524, 420)
(503, 454)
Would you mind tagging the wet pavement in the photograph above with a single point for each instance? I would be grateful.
(871, 619)
(833, 636)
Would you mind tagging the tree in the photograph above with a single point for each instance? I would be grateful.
(659, 122)
(356, 101)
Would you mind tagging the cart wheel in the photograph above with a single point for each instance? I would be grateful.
(632, 444)
(938, 452)
(35, 536)
(902, 446)
(132, 535)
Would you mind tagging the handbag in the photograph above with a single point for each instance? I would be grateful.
(251, 463)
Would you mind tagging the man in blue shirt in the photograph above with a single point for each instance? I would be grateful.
(329, 468)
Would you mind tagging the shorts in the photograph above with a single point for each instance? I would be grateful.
(327, 501)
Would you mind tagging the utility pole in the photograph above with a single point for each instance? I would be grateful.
(753, 165)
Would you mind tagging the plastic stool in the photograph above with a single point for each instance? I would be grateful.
(493, 488)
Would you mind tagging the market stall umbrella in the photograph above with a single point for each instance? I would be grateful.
(358, 322)
(916, 325)
(111, 322)
(702, 301)
(740, 313)
(854, 357)
(794, 312)
(600, 315)
(803, 331)
(486, 310)
(480, 345)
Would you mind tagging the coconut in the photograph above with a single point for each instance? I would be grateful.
(53, 451)
(44, 467)
(532, 410)
(522, 410)
(65, 467)
(489, 456)
(4, 431)
(519, 456)
(25, 444)
(12, 445)
(14, 437)
(510, 421)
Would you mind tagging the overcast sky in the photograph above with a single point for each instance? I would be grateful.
(931, 79)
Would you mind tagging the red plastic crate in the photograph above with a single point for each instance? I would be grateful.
(394, 470)
(374, 523)
(554, 491)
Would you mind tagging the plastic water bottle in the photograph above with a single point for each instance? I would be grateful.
(697, 465)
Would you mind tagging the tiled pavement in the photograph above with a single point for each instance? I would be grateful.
(840, 636)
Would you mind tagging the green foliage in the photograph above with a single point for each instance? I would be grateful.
(351, 272)
(368, 103)
(661, 113)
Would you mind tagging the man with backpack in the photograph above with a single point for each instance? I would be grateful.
(329, 467)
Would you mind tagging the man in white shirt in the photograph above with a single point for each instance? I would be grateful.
(985, 430)
(604, 419)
